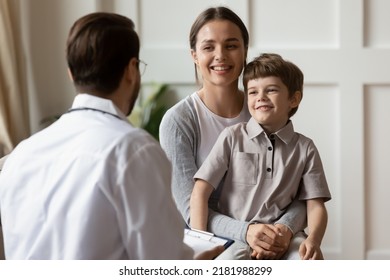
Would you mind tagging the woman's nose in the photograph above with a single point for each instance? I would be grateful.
(220, 54)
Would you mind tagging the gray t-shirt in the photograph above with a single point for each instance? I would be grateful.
(211, 125)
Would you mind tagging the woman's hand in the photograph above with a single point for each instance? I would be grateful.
(268, 241)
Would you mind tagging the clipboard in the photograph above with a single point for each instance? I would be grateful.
(201, 241)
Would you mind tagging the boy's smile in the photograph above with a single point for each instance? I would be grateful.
(269, 102)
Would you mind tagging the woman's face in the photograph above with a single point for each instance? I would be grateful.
(220, 52)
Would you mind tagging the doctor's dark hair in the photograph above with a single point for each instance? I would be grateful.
(217, 13)
(99, 47)
(271, 64)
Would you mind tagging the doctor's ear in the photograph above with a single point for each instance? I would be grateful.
(70, 75)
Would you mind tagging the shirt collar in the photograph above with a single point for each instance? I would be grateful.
(253, 128)
(85, 100)
(285, 134)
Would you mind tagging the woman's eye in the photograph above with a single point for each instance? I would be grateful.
(231, 47)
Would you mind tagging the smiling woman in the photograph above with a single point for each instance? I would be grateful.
(219, 44)
(190, 128)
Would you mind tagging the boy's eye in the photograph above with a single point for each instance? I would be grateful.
(272, 90)
(252, 92)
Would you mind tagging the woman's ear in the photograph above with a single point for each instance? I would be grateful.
(194, 56)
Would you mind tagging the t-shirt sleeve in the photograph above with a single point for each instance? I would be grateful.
(216, 164)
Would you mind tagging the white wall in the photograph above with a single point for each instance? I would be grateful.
(341, 45)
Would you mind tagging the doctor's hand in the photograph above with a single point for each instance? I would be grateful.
(210, 254)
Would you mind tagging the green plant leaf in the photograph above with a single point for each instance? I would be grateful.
(147, 114)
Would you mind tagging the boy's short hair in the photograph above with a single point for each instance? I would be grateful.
(271, 64)
(99, 47)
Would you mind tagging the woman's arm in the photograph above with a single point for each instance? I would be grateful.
(179, 136)
(294, 218)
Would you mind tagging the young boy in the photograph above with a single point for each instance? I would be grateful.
(263, 164)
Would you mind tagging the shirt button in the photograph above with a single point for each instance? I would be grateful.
(269, 148)
(269, 169)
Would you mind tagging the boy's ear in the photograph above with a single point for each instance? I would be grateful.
(296, 99)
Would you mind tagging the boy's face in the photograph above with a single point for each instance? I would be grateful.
(269, 102)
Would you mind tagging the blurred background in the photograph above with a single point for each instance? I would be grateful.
(342, 46)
